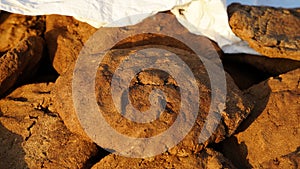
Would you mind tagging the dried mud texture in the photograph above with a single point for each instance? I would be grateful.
(65, 37)
(14, 28)
(273, 32)
(32, 136)
(291, 161)
(20, 62)
(63, 86)
(237, 106)
(206, 159)
(272, 129)
(62, 94)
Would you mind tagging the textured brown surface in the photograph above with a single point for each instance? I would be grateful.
(272, 129)
(291, 161)
(34, 137)
(62, 93)
(237, 109)
(273, 32)
(206, 159)
(237, 105)
(14, 28)
(65, 37)
(20, 62)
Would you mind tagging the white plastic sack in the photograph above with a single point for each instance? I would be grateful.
(209, 18)
(202, 17)
(95, 12)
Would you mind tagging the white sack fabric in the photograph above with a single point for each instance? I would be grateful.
(201, 17)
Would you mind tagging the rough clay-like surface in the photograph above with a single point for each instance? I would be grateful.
(14, 28)
(206, 159)
(274, 131)
(237, 109)
(32, 136)
(273, 32)
(291, 161)
(65, 37)
(20, 62)
(237, 106)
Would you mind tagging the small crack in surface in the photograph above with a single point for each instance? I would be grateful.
(29, 130)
